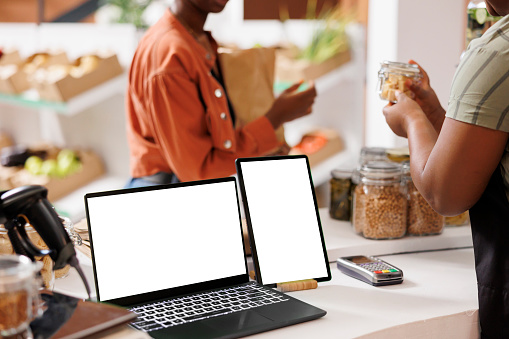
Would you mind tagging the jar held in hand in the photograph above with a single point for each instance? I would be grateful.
(392, 77)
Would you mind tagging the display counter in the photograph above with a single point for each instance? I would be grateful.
(438, 298)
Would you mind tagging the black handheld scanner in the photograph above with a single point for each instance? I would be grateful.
(29, 204)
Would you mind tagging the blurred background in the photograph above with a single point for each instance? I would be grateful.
(337, 43)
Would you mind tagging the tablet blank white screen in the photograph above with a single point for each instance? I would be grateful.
(284, 220)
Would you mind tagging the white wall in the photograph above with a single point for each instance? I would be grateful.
(430, 32)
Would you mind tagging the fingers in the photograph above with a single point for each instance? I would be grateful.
(423, 72)
(293, 87)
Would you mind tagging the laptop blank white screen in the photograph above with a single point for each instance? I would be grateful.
(153, 240)
(284, 220)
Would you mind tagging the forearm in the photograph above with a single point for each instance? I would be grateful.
(437, 119)
(422, 137)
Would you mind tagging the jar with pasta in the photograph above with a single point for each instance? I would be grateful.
(392, 77)
(380, 202)
(422, 219)
(458, 220)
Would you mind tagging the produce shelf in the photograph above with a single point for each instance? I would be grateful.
(75, 105)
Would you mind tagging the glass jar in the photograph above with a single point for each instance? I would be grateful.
(392, 77)
(380, 202)
(19, 295)
(340, 195)
(421, 219)
(458, 220)
(47, 273)
(75, 238)
(401, 154)
(372, 154)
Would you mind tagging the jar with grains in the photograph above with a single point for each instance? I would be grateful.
(380, 202)
(47, 273)
(392, 77)
(19, 297)
(421, 219)
(340, 194)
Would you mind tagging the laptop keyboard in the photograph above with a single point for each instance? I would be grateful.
(199, 306)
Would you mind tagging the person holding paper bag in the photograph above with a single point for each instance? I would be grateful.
(180, 123)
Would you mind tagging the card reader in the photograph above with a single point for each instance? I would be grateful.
(371, 270)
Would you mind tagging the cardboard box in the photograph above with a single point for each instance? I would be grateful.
(318, 146)
(65, 88)
(13, 80)
(15, 77)
(10, 57)
(291, 69)
(6, 175)
(92, 168)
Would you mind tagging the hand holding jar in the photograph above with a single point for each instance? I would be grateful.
(396, 76)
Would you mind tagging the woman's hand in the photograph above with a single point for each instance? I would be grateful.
(399, 115)
(291, 104)
(426, 97)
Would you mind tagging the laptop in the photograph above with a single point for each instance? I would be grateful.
(174, 255)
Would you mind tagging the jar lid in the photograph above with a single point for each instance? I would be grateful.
(381, 170)
(15, 268)
(401, 68)
(373, 151)
(400, 154)
(341, 173)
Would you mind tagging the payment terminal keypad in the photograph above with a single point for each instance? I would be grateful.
(378, 267)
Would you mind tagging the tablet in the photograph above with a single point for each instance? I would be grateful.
(282, 218)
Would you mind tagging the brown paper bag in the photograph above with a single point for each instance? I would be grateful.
(249, 80)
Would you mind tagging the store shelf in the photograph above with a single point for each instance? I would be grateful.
(73, 205)
(75, 105)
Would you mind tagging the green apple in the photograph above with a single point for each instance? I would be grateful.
(50, 168)
(68, 168)
(33, 165)
(68, 162)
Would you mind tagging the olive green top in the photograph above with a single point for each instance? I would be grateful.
(480, 88)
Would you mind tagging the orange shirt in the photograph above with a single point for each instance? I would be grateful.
(177, 113)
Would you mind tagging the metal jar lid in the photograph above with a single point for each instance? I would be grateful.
(400, 68)
(341, 174)
(383, 171)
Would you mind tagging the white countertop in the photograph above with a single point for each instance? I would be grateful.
(436, 284)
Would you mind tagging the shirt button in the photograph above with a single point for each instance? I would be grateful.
(227, 144)
(223, 116)
(218, 93)
(208, 56)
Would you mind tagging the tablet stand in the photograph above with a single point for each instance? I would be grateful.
(290, 286)
(298, 285)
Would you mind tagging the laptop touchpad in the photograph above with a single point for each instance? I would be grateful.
(237, 321)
